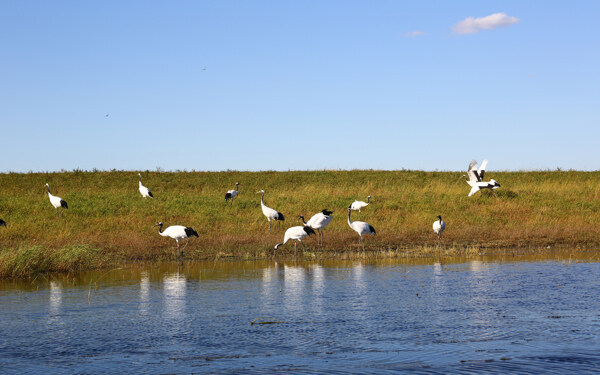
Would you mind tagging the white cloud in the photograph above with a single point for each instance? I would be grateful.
(413, 34)
(474, 25)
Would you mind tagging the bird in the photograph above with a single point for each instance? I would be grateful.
(177, 232)
(476, 178)
(56, 201)
(438, 228)
(270, 213)
(232, 193)
(144, 190)
(361, 228)
(358, 205)
(319, 221)
(297, 234)
(2, 223)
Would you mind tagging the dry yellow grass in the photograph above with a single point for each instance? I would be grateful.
(108, 217)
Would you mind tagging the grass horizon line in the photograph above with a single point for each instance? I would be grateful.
(161, 170)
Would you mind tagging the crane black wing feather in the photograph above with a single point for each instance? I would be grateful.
(2, 222)
(309, 230)
(372, 229)
(280, 217)
(63, 204)
(150, 194)
(190, 232)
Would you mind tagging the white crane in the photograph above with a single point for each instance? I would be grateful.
(476, 178)
(438, 228)
(296, 234)
(270, 213)
(232, 193)
(361, 228)
(177, 232)
(319, 221)
(144, 190)
(56, 201)
(358, 205)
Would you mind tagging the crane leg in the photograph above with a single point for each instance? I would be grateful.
(358, 214)
(295, 247)
(187, 241)
(269, 226)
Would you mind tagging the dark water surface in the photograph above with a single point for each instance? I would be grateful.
(456, 316)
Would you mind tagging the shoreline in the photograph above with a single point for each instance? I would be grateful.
(34, 261)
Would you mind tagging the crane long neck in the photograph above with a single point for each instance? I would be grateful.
(303, 221)
(160, 227)
(349, 221)
(369, 199)
(262, 197)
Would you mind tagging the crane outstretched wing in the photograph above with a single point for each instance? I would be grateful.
(472, 172)
(474, 190)
(481, 170)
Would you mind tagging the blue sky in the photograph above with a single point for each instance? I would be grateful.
(280, 85)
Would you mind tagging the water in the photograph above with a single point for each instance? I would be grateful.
(339, 317)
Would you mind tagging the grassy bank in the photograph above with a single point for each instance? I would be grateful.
(108, 221)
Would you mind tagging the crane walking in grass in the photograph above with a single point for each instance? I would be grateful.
(476, 178)
(56, 201)
(438, 228)
(144, 190)
(296, 234)
(361, 228)
(359, 205)
(232, 193)
(177, 232)
(270, 213)
(319, 221)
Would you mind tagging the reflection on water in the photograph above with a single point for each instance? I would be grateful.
(144, 293)
(174, 293)
(55, 298)
(444, 315)
(293, 288)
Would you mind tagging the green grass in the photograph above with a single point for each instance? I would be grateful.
(108, 221)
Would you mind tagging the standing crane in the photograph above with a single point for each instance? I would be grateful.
(232, 193)
(438, 228)
(270, 213)
(56, 201)
(319, 221)
(297, 234)
(361, 228)
(177, 232)
(144, 190)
